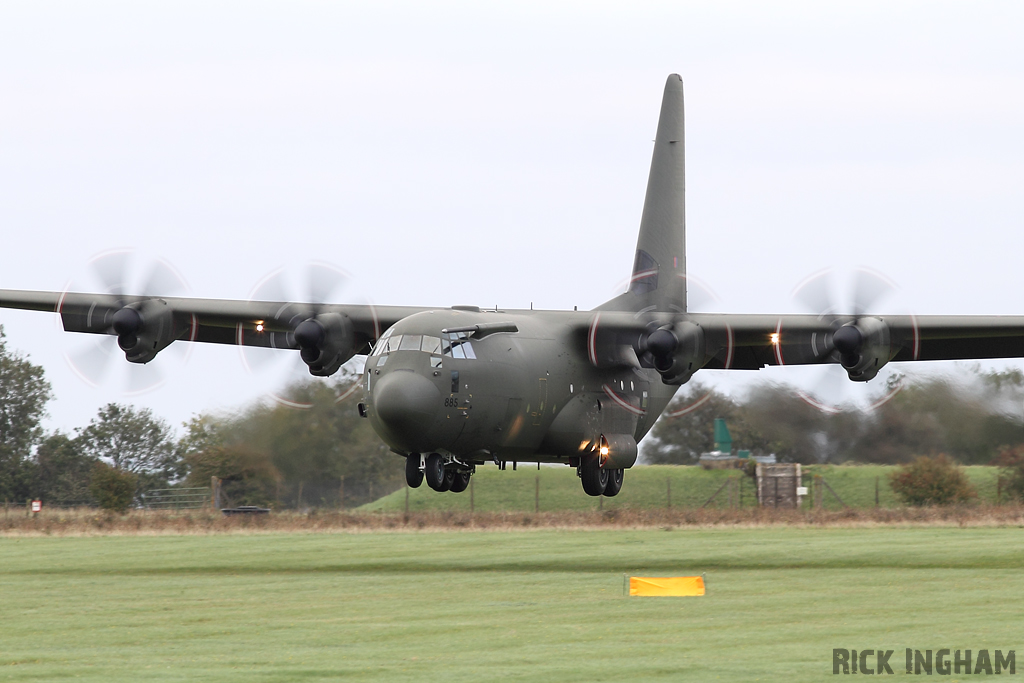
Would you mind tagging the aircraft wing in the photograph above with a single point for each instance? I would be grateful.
(750, 342)
(218, 321)
(761, 340)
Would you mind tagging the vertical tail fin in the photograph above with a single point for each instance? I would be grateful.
(660, 263)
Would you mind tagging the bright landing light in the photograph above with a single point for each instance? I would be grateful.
(775, 338)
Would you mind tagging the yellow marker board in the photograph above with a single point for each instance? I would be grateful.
(666, 585)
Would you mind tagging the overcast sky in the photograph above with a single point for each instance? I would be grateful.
(488, 153)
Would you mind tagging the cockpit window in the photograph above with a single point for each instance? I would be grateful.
(411, 342)
(457, 345)
(453, 344)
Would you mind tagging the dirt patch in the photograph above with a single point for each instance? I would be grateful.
(85, 522)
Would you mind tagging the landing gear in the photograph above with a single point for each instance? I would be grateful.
(413, 473)
(434, 471)
(593, 476)
(614, 483)
(446, 476)
(461, 482)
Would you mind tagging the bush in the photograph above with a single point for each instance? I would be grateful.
(112, 488)
(935, 480)
(1011, 460)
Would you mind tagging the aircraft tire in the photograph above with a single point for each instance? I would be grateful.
(413, 473)
(593, 476)
(614, 483)
(449, 479)
(434, 472)
(460, 482)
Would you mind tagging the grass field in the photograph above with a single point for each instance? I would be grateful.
(469, 606)
(650, 487)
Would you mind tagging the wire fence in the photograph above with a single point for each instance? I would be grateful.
(177, 499)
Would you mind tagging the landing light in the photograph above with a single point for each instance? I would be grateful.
(604, 451)
(775, 338)
(259, 325)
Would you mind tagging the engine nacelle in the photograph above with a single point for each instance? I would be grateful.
(144, 329)
(325, 342)
(678, 352)
(864, 347)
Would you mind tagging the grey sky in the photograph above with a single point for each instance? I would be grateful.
(498, 154)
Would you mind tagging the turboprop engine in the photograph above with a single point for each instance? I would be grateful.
(144, 329)
(677, 351)
(864, 346)
(325, 342)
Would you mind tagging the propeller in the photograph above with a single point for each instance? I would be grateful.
(299, 324)
(99, 359)
(844, 306)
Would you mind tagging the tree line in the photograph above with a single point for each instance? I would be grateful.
(971, 417)
(264, 454)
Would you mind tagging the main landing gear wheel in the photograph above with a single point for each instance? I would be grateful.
(460, 482)
(593, 476)
(413, 473)
(449, 479)
(614, 483)
(435, 472)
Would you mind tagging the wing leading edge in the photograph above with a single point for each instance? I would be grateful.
(217, 321)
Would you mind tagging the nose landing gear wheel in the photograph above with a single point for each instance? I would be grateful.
(413, 473)
(593, 476)
(435, 472)
(614, 482)
(460, 483)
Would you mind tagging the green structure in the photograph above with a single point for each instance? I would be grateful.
(723, 440)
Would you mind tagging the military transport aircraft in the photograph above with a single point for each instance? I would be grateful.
(453, 388)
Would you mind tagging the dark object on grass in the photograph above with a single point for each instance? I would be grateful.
(246, 510)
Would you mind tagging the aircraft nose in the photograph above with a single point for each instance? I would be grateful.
(406, 404)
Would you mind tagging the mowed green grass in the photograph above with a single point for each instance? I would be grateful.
(470, 606)
(653, 486)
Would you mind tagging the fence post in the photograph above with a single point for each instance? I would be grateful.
(999, 491)
(298, 504)
(536, 496)
(215, 493)
(876, 491)
(668, 491)
(341, 495)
